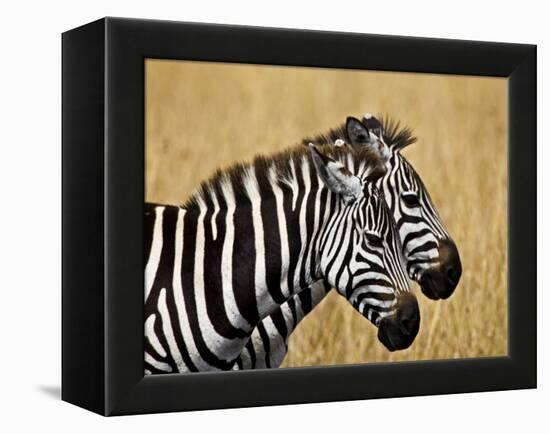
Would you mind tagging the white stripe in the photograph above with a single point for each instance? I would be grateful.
(373, 289)
(369, 315)
(200, 364)
(287, 314)
(316, 212)
(245, 360)
(349, 162)
(263, 297)
(161, 366)
(303, 224)
(215, 214)
(276, 343)
(152, 336)
(326, 220)
(373, 302)
(293, 185)
(362, 169)
(418, 241)
(432, 253)
(156, 249)
(374, 275)
(259, 350)
(281, 221)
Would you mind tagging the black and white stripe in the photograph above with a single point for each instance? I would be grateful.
(419, 224)
(250, 239)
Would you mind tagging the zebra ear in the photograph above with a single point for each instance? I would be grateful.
(373, 124)
(335, 176)
(368, 134)
(358, 133)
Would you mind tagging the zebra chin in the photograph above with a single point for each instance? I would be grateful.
(398, 331)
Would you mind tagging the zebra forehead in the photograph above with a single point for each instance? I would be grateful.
(407, 172)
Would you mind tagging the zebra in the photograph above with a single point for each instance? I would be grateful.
(431, 255)
(255, 234)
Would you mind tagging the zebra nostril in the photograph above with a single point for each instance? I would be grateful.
(405, 326)
(452, 268)
(453, 274)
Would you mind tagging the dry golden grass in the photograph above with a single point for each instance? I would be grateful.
(201, 116)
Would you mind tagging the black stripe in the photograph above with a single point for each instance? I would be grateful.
(372, 282)
(313, 251)
(293, 225)
(243, 260)
(278, 319)
(414, 235)
(272, 239)
(176, 330)
(239, 363)
(305, 300)
(428, 245)
(414, 262)
(309, 217)
(408, 219)
(381, 296)
(213, 279)
(266, 343)
(367, 306)
(373, 266)
(163, 276)
(292, 306)
(250, 348)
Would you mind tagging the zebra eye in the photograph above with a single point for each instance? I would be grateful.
(374, 240)
(411, 200)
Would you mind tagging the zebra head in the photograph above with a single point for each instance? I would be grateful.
(360, 252)
(432, 256)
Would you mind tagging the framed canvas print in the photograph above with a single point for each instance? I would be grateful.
(258, 216)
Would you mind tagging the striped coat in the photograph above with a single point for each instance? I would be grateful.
(252, 237)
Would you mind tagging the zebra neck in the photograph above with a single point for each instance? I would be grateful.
(255, 251)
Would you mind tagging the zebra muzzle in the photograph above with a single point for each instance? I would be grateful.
(398, 331)
(440, 283)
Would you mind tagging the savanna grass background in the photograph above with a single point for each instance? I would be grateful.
(201, 116)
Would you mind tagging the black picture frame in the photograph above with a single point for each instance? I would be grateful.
(103, 191)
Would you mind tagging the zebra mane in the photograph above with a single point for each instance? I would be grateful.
(392, 132)
(282, 163)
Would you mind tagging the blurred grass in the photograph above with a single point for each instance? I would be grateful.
(200, 116)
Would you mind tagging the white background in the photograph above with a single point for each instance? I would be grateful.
(30, 193)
